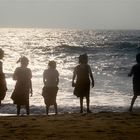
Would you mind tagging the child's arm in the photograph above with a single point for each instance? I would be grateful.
(1, 69)
(57, 80)
(91, 76)
(131, 72)
(73, 78)
(44, 79)
(31, 90)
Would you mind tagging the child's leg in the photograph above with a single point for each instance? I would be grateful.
(55, 107)
(47, 110)
(81, 104)
(27, 109)
(88, 101)
(132, 102)
(18, 110)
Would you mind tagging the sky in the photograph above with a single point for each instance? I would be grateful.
(79, 14)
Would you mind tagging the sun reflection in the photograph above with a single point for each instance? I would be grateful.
(108, 62)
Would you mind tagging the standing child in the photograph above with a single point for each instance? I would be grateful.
(3, 87)
(83, 74)
(23, 86)
(135, 72)
(50, 89)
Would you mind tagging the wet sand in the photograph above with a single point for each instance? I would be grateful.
(94, 126)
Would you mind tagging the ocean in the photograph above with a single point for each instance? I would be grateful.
(111, 55)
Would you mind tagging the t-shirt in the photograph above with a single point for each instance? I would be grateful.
(22, 75)
(136, 73)
(51, 77)
(82, 72)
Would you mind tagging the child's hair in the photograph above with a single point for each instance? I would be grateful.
(52, 64)
(23, 60)
(83, 58)
(1, 53)
(138, 58)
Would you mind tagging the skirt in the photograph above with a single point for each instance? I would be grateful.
(3, 88)
(136, 89)
(49, 94)
(20, 95)
(82, 90)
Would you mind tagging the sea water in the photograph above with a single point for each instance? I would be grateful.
(111, 55)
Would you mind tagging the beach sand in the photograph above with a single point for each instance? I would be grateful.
(94, 126)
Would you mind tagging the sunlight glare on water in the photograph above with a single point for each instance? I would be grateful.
(109, 57)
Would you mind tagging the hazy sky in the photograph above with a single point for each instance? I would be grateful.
(95, 14)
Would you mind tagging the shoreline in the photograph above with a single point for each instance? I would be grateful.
(72, 126)
(10, 109)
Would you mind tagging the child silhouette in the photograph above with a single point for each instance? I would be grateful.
(82, 73)
(50, 89)
(3, 87)
(135, 72)
(23, 86)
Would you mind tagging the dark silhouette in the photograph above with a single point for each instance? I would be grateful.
(83, 74)
(135, 72)
(50, 89)
(23, 86)
(3, 87)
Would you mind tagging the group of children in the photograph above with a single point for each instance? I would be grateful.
(23, 86)
(81, 81)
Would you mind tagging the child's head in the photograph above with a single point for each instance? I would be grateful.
(1, 53)
(52, 64)
(83, 59)
(23, 60)
(138, 58)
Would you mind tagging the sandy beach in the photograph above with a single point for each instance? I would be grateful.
(94, 126)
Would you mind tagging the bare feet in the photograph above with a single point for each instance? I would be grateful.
(88, 111)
